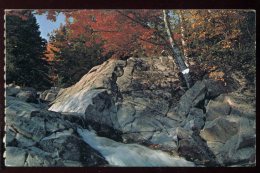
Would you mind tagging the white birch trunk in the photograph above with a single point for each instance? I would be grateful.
(177, 53)
(183, 41)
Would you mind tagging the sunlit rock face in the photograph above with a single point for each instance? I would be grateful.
(79, 96)
(141, 98)
(136, 96)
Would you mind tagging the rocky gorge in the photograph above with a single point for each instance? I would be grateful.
(131, 105)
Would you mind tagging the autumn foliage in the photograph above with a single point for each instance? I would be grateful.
(223, 39)
(211, 36)
(50, 52)
(121, 31)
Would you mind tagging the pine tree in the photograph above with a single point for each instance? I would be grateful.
(73, 58)
(24, 52)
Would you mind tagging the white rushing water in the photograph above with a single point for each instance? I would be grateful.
(119, 154)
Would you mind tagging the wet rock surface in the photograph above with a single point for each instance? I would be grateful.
(132, 96)
(138, 100)
(26, 94)
(140, 97)
(50, 95)
(36, 137)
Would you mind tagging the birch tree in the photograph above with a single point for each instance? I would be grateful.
(176, 51)
(183, 41)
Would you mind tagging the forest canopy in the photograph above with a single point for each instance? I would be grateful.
(220, 41)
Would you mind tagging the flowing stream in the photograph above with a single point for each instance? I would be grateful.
(119, 154)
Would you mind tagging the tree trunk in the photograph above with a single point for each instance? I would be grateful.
(177, 53)
(183, 42)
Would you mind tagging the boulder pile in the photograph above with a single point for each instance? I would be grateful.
(138, 100)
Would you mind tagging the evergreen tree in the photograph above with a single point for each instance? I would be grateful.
(24, 52)
(73, 58)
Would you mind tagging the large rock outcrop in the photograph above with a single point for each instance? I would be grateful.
(141, 98)
(135, 97)
(37, 137)
(135, 100)
(230, 129)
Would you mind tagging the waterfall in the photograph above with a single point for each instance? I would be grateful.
(119, 154)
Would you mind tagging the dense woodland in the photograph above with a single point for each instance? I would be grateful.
(212, 43)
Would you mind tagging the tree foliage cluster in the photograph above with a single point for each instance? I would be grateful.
(217, 42)
(73, 58)
(25, 63)
(224, 40)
